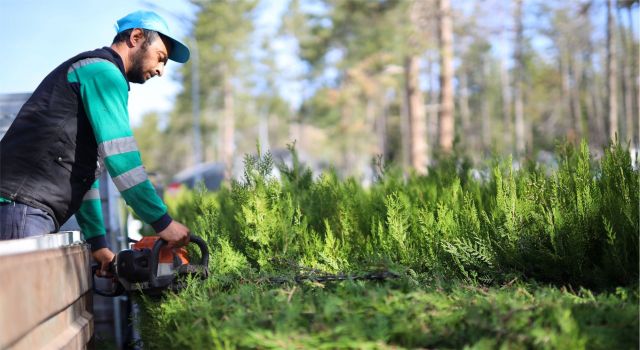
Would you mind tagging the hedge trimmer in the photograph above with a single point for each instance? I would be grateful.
(151, 267)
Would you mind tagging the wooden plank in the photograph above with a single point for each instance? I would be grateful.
(39, 287)
(71, 328)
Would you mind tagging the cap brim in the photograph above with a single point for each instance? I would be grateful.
(179, 51)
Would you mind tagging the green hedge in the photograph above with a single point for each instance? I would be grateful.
(553, 231)
(576, 225)
(392, 315)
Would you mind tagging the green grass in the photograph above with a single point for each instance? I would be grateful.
(529, 258)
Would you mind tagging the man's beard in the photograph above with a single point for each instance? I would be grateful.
(136, 73)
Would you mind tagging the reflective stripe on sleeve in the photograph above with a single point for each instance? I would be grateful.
(85, 62)
(93, 193)
(117, 146)
(130, 178)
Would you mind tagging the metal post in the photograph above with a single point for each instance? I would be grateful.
(117, 242)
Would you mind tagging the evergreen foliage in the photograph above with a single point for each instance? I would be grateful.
(575, 227)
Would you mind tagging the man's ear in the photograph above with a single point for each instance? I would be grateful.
(136, 38)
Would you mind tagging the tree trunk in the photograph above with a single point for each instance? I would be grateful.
(589, 105)
(575, 69)
(627, 81)
(575, 72)
(594, 107)
(507, 131)
(597, 95)
(598, 128)
(567, 108)
(416, 116)
(635, 79)
(433, 106)
(405, 129)
(381, 129)
(627, 92)
(295, 128)
(198, 157)
(371, 119)
(486, 115)
(465, 114)
(227, 128)
(263, 130)
(612, 74)
(445, 35)
(571, 94)
(345, 138)
(518, 83)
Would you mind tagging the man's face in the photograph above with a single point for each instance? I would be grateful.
(148, 61)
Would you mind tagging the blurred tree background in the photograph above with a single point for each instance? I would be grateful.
(363, 83)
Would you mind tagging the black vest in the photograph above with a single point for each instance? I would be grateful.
(49, 155)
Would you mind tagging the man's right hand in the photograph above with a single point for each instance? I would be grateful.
(104, 257)
(176, 234)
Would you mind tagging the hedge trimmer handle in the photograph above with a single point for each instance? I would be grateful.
(204, 250)
(164, 281)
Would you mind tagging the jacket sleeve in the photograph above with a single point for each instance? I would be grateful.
(104, 94)
(90, 218)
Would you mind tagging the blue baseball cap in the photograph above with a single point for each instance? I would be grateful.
(150, 20)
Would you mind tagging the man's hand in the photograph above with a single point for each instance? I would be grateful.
(103, 256)
(176, 234)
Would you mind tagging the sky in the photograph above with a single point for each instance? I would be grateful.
(38, 35)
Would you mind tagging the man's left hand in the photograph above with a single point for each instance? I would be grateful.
(104, 257)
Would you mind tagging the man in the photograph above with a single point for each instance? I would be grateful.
(74, 125)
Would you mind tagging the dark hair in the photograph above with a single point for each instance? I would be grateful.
(149, 35)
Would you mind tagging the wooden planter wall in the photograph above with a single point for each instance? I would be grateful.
(45, 297)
